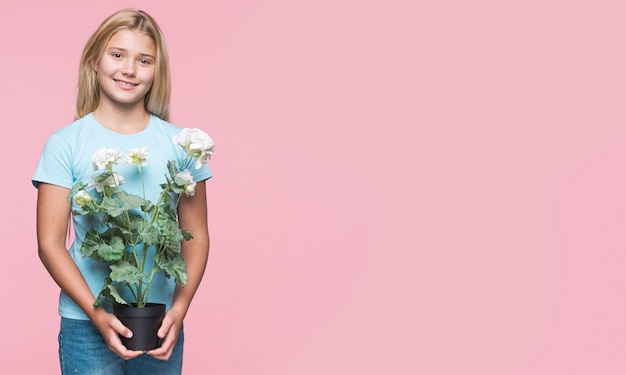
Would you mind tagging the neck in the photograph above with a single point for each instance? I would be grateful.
(122, 120)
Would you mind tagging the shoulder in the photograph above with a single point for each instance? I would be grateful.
(73, 130)
(166, 127)
(67, 136)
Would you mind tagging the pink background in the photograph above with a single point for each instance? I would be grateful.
(401, 187)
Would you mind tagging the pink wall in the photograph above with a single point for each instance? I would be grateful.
(402, 187)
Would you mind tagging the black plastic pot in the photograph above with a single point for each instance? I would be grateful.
(144, 322)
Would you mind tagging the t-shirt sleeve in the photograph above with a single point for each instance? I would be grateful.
(200, 174)
(54, 166)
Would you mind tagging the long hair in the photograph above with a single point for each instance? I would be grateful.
(88, 93)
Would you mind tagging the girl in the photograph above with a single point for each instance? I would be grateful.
(122, 102)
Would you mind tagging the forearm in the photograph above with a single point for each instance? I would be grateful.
(192, 215)
(196, 253)
(63, 270)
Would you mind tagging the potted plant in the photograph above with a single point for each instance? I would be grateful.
(132, 228)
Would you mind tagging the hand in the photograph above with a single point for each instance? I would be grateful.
(170, 328)
(110, 327)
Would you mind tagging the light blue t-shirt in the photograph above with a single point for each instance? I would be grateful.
(67, 159)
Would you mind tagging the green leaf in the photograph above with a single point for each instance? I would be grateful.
(170, 231)
(112, 206)
(114, 295)
(175, 267)
(170, 249)
(91, 206)
(75, 189)
(122, 201)
(130, 258)
(112, 251)
(187, 235)
(124, 272)
(171, 167)
(107, 246)
(91, 242)
(147, 233)
(147, 207)
(101, 177)
(116, 222)
(176, 188)
(110, 294)
(91, 209)
(130, 201)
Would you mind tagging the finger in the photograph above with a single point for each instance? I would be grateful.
(130, 354)
(166, 325)
(160, 354)
(116, 345)
(164, 351)
(121, 329)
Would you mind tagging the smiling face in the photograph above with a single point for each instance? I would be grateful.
(125, 71)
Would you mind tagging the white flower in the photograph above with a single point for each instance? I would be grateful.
(137, 156)
(114, 180)
(196, 144)
(186, 180)
(82, 197)
(105, 158)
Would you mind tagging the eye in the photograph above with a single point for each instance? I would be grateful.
(145, 61)
(117, 55)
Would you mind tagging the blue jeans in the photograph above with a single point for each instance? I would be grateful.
(83, 351)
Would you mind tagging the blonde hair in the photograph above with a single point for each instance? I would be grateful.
(88, 94)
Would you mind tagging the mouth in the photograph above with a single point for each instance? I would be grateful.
(125, 83)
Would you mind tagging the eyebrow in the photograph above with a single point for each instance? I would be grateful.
(125, 50)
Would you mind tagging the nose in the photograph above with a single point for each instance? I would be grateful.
(129, 69)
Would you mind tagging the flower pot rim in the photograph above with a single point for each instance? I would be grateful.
(150, 309)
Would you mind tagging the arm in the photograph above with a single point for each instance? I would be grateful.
(192, 216)
(53, 215)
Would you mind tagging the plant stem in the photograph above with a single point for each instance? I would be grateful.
(132, 292)
(142, 264)
(143, 188)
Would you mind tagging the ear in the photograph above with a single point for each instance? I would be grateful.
(93, 65)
